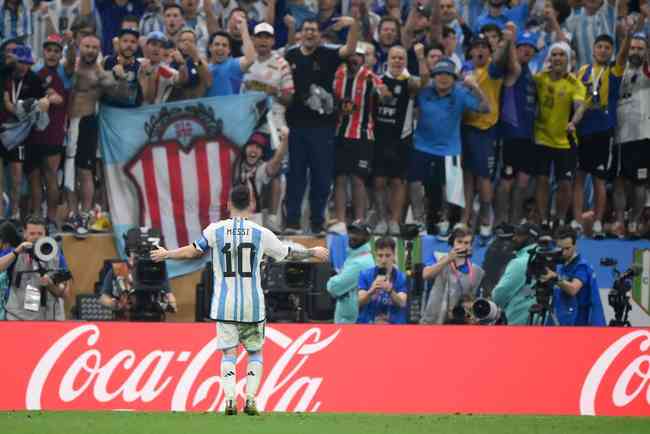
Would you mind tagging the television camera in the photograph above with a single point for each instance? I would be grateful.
(544, 257)
(618, 297)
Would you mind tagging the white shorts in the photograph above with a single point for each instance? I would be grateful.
(250, 335)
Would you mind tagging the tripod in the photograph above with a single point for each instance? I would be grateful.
(415, 283)
(543, 308)
(622, 307)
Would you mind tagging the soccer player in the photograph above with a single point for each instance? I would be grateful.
(238, 301)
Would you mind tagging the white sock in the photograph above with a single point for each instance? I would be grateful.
(253, 374)
(229, 376)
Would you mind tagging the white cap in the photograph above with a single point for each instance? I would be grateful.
(361, 49)
(263, 28)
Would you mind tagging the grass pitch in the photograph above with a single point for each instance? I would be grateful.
(283, 423)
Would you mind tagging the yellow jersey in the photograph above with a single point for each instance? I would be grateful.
(556, 99)
(492, 89)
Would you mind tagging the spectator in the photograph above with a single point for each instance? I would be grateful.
(43, 155)
(152, 18)
(513, 294)
(595, 131)
(129, 67)
(15, 19)
(561, 106)
(198, 74)
(112, 12)
(252, 170)
(518, 111)
(437, 136)
(479, 132)
(456, 32)
(197, 21)
(24, 84)
(388, 35)
(456, 279)
(395, 121)
(450, 42)
(383, 291)
(356, 89)
(9, 240)
(34, 296)
(236, 16)
(312, 121)
(633, 135)
(157, 80)
(65, 12)
(344, 286)
(499, 14)
(555, 14)
(228, 72)
(597, 17)
(576, 296)
(7, 66)
(173, 18)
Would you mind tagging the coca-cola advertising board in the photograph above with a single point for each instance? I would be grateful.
(330, 368)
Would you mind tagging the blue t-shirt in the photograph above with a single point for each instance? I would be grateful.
(518, 15)
(595, 119)
(382, 304)
(226, 78)
(585, 308)
(438, 130)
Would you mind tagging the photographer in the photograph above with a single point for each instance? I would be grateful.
(343, 286)
(382, 289)
(512, 293)
(576, 296)
(456, 280)
(120, 291)
(9, 240)
(38, 286)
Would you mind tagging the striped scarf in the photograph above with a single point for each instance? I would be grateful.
(15, 24)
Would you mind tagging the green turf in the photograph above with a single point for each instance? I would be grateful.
(193, 423)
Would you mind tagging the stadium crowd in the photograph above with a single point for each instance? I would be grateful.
(437, 111)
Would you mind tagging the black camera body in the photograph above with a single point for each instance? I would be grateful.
(546, 256)
(409, 232)
(148, 276)
(618, 297)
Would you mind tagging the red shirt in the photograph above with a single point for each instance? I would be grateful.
(54, 134)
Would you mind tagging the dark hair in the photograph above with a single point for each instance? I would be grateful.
(173, 6)
(460, 231)
(310, 20)
(434, 46)
(81, 22)
(567, 232)
(240, 197)
(446, 31)
(238, 9)
(9, 234)
(35, 220)
(223, 35)
(604, 37)
(563, 10)
(129, 19)
(390, 19)
(385, 243)
(491, 27)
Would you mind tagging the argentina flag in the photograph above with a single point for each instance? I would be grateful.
(169, 166)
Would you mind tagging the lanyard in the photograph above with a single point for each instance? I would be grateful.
(15, 91)
(596, 80)
(458, 275)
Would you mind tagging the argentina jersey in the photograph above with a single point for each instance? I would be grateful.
(237, 248)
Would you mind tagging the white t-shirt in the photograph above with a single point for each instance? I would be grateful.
(166, 77)
(237, 248)
(633, 111)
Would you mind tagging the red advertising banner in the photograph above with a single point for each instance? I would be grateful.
(330, 368)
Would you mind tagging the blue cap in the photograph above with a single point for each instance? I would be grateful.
(444, 66)
(527, 38)
(23, 54)
(157, 36)
(639, 35)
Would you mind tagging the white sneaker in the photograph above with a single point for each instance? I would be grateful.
(338, 228)
(576, 226)
(394, 229)
(443, 230)
(598, 233)
(273, 223)
(485, 231)
(381, 228)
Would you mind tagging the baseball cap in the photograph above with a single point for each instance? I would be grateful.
(527, 38)
(361, 49)
(258, 139)
(157, 36)
(23, 54)
(444, 66)
(53, 39)
(263, 28)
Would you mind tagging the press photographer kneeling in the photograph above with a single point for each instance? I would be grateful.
(138, 289)
(39, 276)
(576, 298)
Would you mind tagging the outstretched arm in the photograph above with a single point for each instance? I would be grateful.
(186, 252)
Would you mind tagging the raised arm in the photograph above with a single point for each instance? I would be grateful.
(274, 165)
(247, 47)
(211, 19)
(353, 35)
(435, 22)
(484, 103)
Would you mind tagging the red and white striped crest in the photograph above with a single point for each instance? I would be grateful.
(183, 181)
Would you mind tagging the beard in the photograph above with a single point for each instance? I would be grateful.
(635, 60)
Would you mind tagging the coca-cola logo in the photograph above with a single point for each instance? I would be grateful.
(632, 381)
(180, 378)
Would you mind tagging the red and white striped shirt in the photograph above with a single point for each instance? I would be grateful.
(355, 94)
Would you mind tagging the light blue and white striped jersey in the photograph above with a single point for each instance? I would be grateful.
(237, 248)
(585, 28)
(13, 25)
(152, 22)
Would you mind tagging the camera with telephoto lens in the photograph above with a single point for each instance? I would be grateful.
(149, 277)
(44, 250)
(486, 312)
